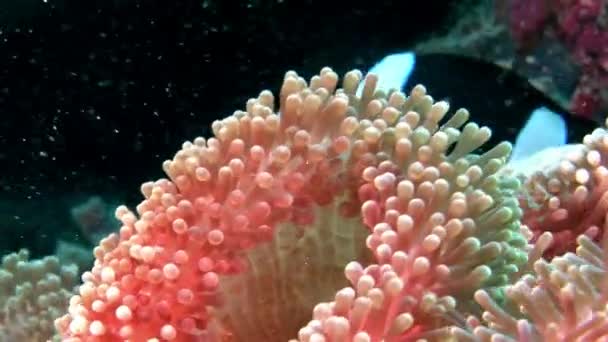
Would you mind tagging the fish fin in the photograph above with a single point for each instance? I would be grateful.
(393, 71)
(541, 161)
(544, 129)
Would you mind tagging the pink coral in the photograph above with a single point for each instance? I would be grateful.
(582, 27)
(261, 222)
(527, 20)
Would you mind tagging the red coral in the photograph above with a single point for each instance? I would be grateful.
(586, 99)
(527, 20)
(582, 27)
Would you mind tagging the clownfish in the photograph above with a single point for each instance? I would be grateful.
(496, 97)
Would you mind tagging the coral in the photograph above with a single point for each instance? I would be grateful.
(560, 46)
(73, 253)
(582, 27)
(527, 20)
(564, 300)
(568, 196)
(259, 224)
(33, 293)
(94, 218)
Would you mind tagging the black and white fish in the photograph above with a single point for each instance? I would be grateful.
(496, 97)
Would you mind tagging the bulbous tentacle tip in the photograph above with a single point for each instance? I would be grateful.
(377, 199)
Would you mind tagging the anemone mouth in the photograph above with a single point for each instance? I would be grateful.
(287, 277)
(371, 212)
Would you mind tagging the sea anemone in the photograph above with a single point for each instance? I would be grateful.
(563, 296)
(32, 294)
(369, 213)
(563, 300)
(568, 196)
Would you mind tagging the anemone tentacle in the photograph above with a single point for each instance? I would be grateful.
(257, 225)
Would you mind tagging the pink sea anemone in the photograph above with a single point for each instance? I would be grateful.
(374, 206)
(569, 196)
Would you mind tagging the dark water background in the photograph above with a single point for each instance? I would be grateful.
(94, 95)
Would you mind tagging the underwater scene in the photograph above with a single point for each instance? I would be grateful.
(302, 170)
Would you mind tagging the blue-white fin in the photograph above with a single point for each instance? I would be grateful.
(542, 161)
(544, 129)
(393, 71)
